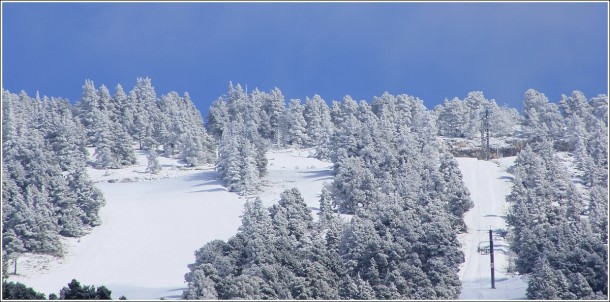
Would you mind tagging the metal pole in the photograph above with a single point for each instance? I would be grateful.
(491, 256)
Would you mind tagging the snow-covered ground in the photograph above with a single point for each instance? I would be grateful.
(489, 184)
(151, 228)
(170, 167)
(152, 224)
(295, 169)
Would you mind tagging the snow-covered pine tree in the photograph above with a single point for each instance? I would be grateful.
(273, 109)
(153, 165)
(576, 104)
(200, 287)
(547, 283)
(451, 118)
(145, 112)
(121, 108)
(354, 185)
(65, 136)
(104, 102)
(599, 106)
(218, 118)
(228, 159)
(195, 120)
(87, 110)
(104, 158)
(326, 206)
(597, 148)
(474, 104)
(194, 151)
(455, 195)
(89, 198)
(250, 177)
(541, 118)
(257, 232)
(237, 160)
(319, 126)
(598, 211)
(295, 124)
(122, 146)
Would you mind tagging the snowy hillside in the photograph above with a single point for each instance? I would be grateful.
(77, 184)
(150, 229)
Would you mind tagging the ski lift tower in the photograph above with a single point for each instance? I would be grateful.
(490, 250)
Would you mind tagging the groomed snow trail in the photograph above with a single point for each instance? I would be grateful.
(151, 229)
(489, 184)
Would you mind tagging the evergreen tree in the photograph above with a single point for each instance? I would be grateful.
(89, 198)
(295, 124)
(218, 118)
(326, 206)
(153, 166)
(353, 186)
(88, 108)
(543, 285)
(541, 118)
(64, 135)
(200, 287)
(228, 160)
(598, 212)
(122, 146)
(104, 158)
(122, 109)
(474, 104)
(575, 105)
(457, 197)
(451, 117)
(19, 291)
(599, 106)
(317, 118)
(74, 291)
(145, 112)
(273, 108)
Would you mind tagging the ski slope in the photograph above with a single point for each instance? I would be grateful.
(152, 227)
(489, 184)
(152, 224)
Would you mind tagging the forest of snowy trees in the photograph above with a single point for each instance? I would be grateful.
(405, 197)
(46, 192)
(407, 200)
(388, 222)
(559, 226)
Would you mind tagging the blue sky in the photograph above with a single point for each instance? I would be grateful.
(429, 50)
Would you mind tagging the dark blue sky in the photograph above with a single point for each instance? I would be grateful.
(429, 50)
